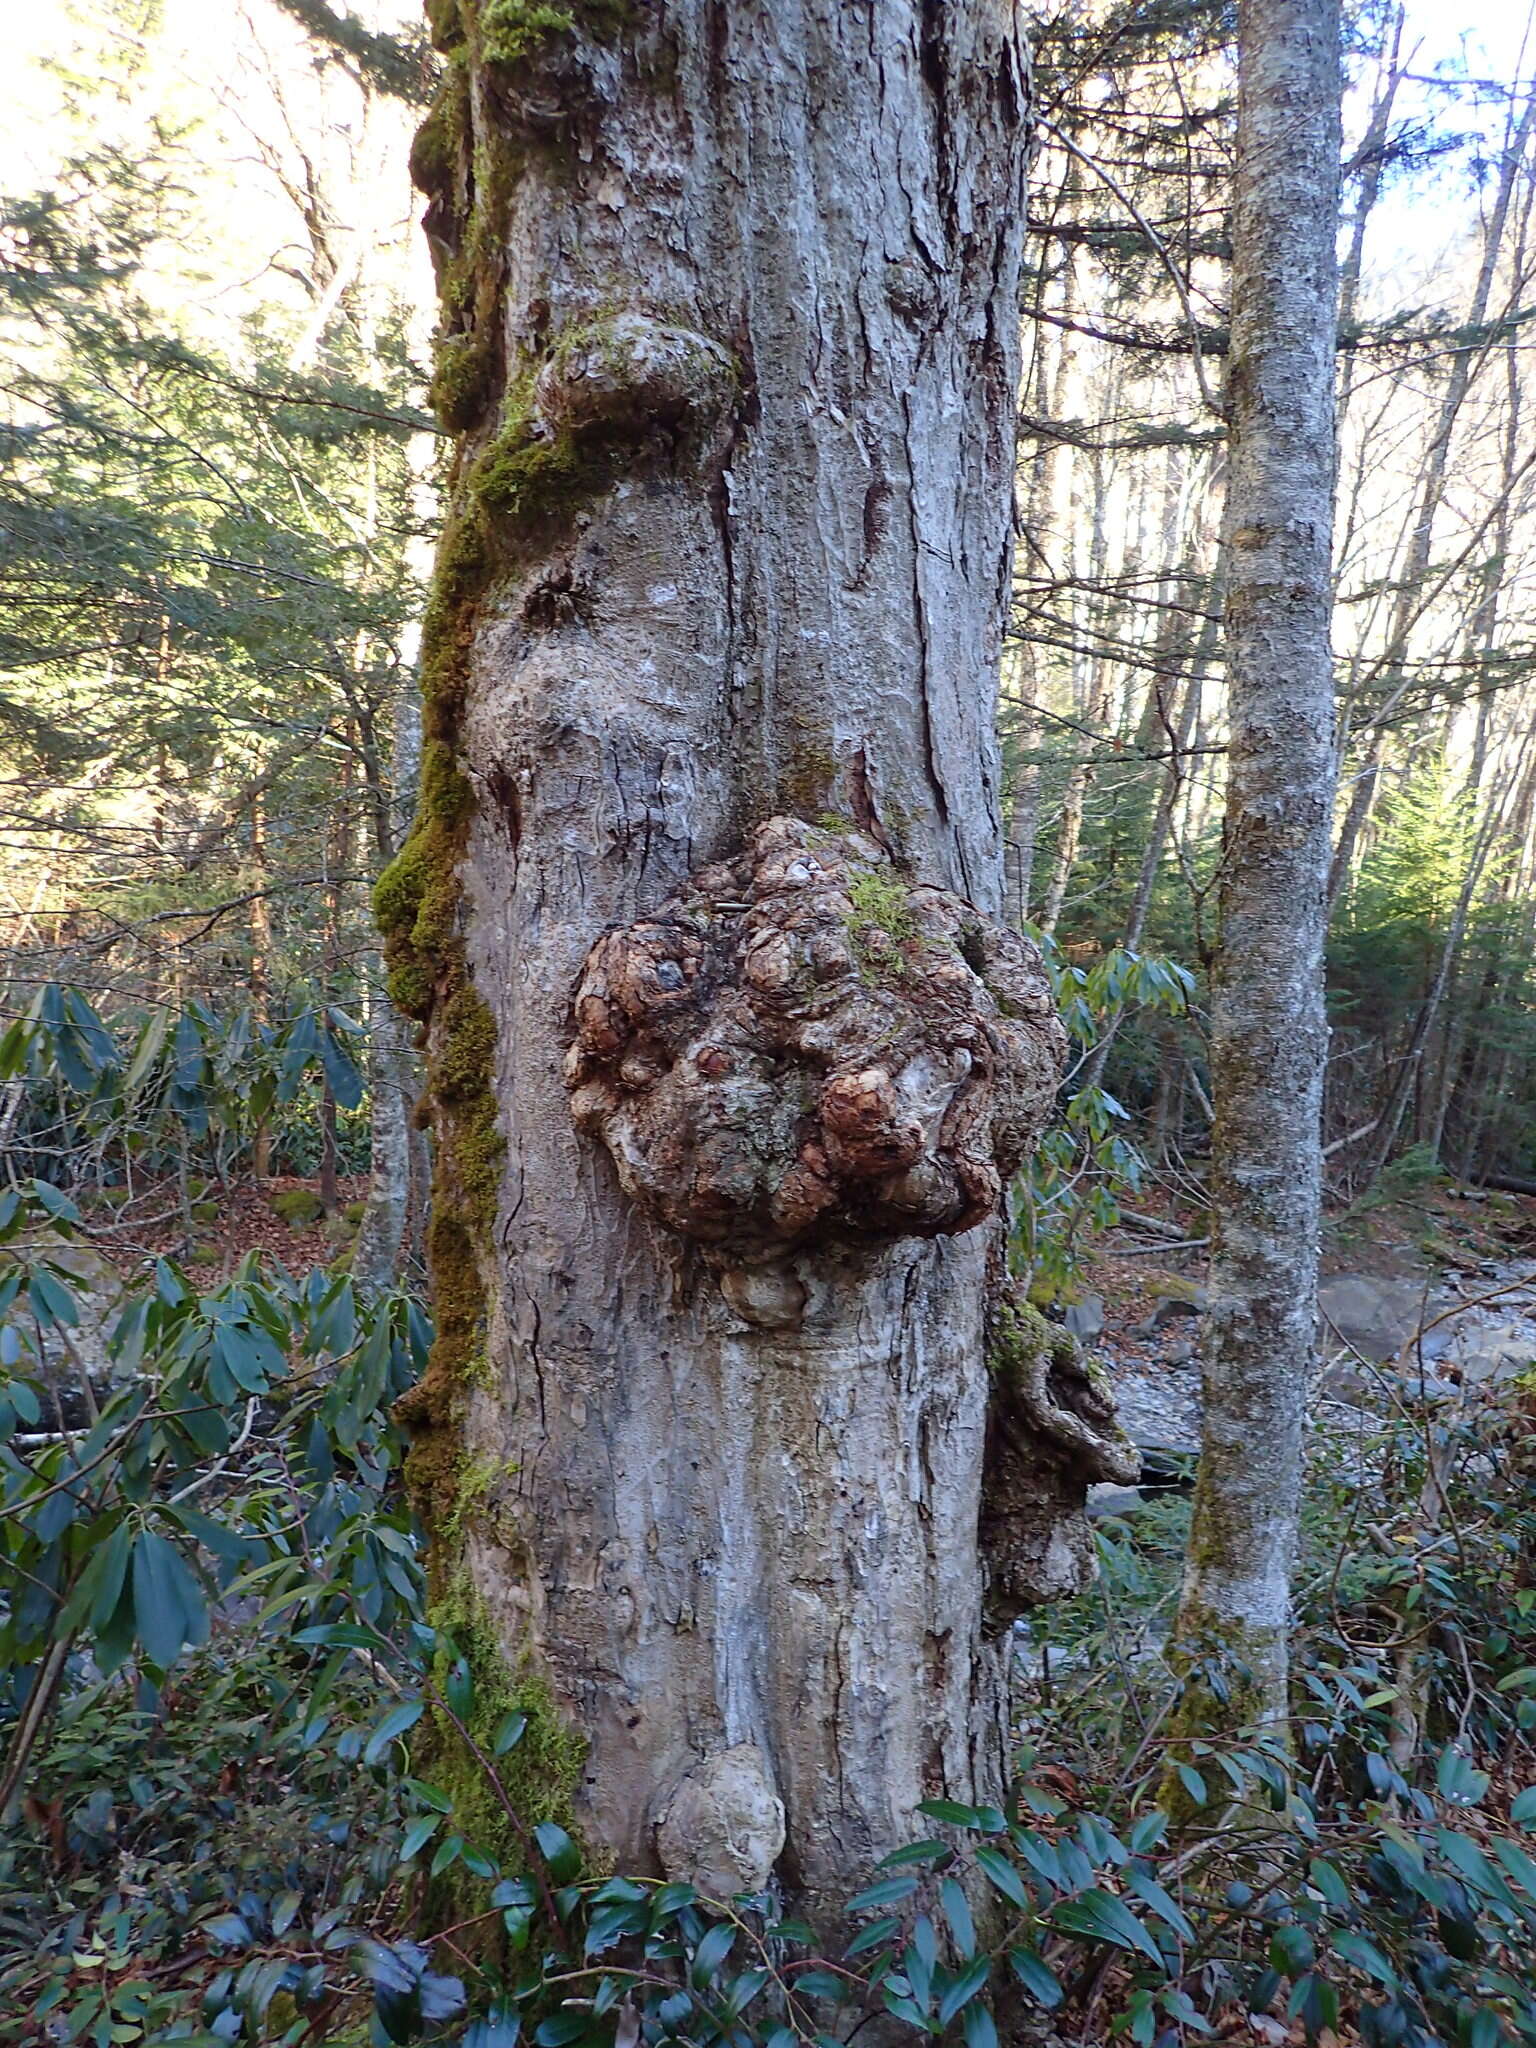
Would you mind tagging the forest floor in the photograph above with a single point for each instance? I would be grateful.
(226, 1223)
(1457, 1266)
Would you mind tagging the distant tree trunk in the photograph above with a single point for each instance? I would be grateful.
(1052, 398)
(337, 859)
(261, 964)
(1177, 739)
(701, 1441)
(376, 1258)
(1091, 699)
(1268, 1028)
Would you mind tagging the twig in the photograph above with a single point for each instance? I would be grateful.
(1213, 404)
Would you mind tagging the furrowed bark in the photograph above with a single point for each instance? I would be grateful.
(1268, 1028)
(730, 337)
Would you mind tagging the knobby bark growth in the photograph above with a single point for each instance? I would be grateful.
(1268, 1028)
(730, 342)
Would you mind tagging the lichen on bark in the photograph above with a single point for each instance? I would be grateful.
(805, 1048)
(1051, 1434)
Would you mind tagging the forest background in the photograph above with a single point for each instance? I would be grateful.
(218, 474)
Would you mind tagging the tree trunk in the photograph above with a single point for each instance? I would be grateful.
(376, 1257)
(1268, 1029)
(730, 336)
(261, 971)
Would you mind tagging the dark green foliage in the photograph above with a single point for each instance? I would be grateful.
(1073, 1184)
(167, 1093)
(296, 1778)
(397, 64)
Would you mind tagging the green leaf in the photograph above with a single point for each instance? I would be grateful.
(916, 1852)
(510, 1733)
(561, 2029)
(873, 1935)
(341, 1071)
(100, 1585)
(710, 1954)
(889, 1892)
(1103, 1917)
(985, 1819)
(1485, 2031)
(340, 1634)
(58, 1204)
(609, 1924)
(558, 1850)
(1365, 1955)
(1163, 1905)
(418, 1834)
(1326, 1880)
(52, 1303)
(1003, 1875)
(1516, 1862)
(971, 1980)
(1192, 1782)
(958, 1914)
(1037, 1977)
(979, 2027)
(459, 1688)
(151, 1040)
(1522, 1808)
(1148, 1831)
(168, 1609)
(821, 1984)
(285, 1909)
(394, 1723)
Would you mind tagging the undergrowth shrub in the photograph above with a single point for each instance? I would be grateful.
(219, 1653)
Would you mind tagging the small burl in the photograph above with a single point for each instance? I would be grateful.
(805, 1048)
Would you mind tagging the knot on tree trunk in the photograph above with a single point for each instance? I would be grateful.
(722, 1828)
(805, 1048)
(1052, 1433)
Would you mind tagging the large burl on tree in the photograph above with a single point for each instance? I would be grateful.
(804, 1049)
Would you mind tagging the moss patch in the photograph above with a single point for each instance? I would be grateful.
(880, 900)
(297, 1207)
(1020, 1336)
(513, 31)
(539, 1776)
(528, 479)
(441, 142)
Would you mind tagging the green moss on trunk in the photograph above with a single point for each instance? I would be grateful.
(538, 1777)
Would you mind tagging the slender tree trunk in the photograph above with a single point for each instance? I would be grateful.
(338, 861)
(261, 965)
(1162, 824)
(1410, 1069)
(1268, 1028)
(731, 338)
(376, 1256)
(1091, 699)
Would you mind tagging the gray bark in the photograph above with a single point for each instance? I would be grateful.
(1268, 1028)
(761, 263)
